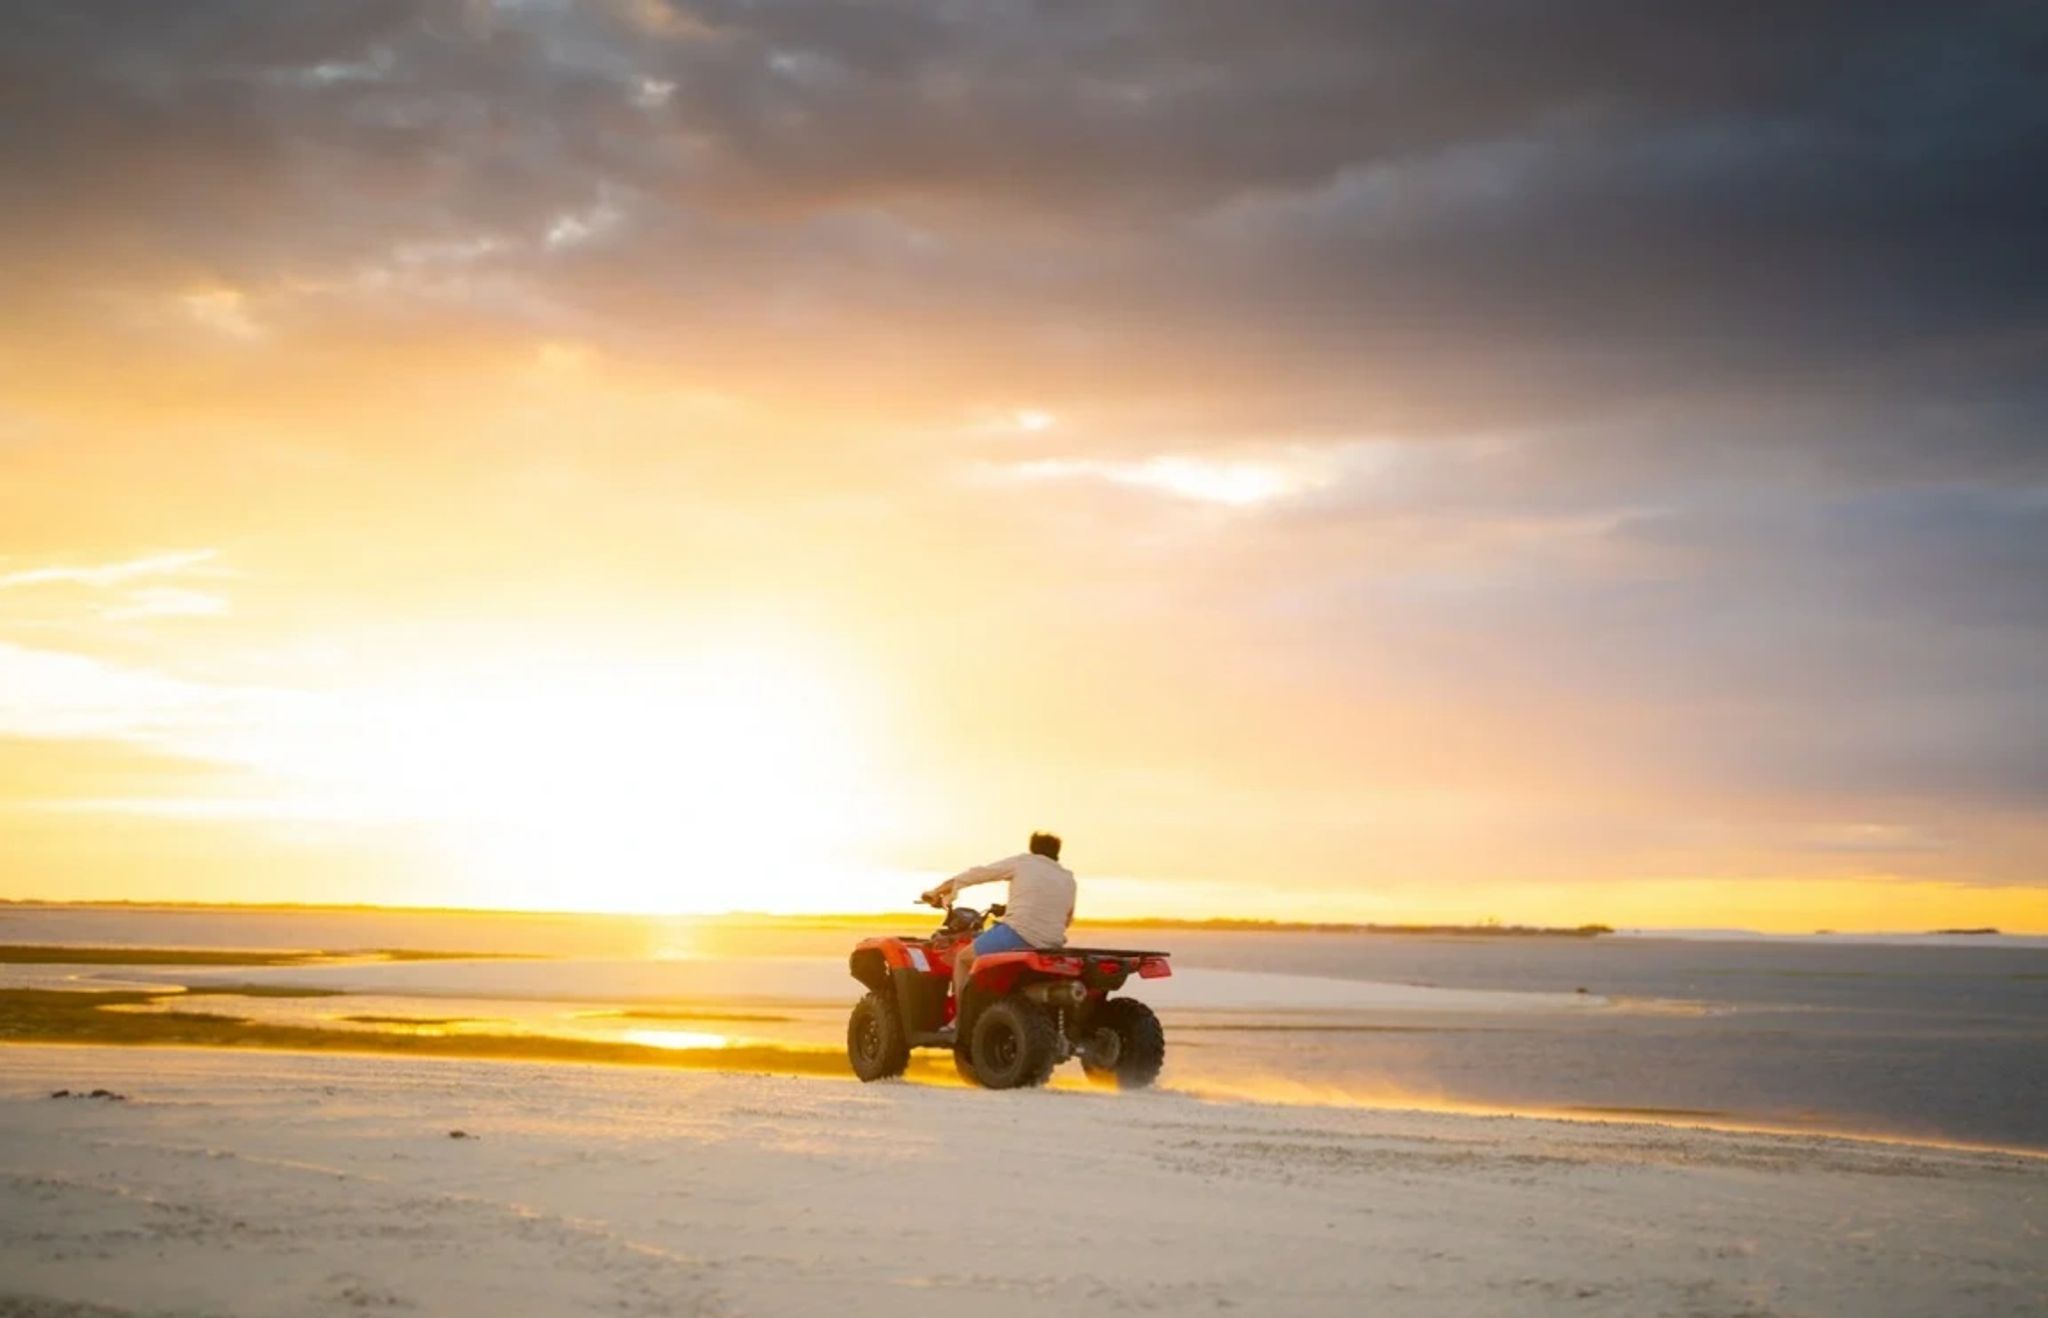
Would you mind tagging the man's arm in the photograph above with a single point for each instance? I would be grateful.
(994, 872)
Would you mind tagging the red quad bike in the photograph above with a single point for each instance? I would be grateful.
(1026, 1012)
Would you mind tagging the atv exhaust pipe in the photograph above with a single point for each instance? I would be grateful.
(1057, 992)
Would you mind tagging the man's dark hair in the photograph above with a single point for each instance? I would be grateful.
(1046, 845)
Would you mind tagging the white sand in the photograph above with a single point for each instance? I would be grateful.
(270, 1184)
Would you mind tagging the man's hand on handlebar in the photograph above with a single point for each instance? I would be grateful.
(938, 897)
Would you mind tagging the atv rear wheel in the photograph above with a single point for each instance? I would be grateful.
(1140, 1044)
(875, 1042)
(1015, 1044)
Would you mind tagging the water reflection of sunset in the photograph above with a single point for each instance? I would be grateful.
(676, 1038)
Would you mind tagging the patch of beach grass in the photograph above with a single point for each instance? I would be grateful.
(54, 954)
(415, 1020)
(259, 991)
(59, 954)
(686, 1014)
(428, 954)
(135, 1018)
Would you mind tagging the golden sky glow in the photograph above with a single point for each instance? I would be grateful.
(626, 456)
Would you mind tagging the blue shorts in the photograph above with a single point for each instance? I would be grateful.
(1000, 938)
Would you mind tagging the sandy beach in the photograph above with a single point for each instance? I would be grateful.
(273, 1184)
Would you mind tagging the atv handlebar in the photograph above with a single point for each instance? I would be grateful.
(961, 921)
(944, 902)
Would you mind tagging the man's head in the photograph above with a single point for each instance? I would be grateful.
(1046, 845)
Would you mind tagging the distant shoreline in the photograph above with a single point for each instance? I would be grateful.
(913, 915)
(1313, 927)
(836, 919)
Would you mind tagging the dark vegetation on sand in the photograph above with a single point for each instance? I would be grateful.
(62, 1016)
(40, 954)
(60, 954)
(258, 991)
(695, 1014)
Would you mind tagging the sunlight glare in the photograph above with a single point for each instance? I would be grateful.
(677, 1039)
(727, 781)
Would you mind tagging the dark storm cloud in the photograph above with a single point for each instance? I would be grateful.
(1170, 102)
(1485, 210)
(1591, 196)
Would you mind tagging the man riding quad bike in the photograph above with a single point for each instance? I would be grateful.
(1018, 1010)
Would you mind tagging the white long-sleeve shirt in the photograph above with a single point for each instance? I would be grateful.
(1041, 895)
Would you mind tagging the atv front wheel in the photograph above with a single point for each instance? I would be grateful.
(1140, 1045)
(964, 1064)
(875, 1042)
(1015, 1044)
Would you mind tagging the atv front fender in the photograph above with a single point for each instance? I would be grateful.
(867, 966)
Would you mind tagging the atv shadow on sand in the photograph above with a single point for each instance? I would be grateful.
(1025, 1012)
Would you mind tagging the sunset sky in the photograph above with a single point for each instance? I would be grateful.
(1330, 460)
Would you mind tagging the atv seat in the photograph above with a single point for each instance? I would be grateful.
(1104, 951)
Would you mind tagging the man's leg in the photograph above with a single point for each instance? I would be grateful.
(999, 938)
(963, 964)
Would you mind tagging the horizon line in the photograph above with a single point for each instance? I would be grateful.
(1221, 922)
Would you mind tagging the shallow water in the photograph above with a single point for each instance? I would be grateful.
(1921, 1040)
(1944, 1042)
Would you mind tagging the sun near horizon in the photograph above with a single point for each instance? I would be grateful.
(749, 773)
(494, 461)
